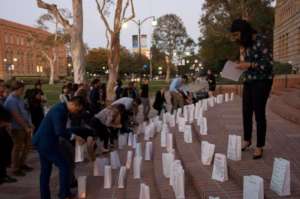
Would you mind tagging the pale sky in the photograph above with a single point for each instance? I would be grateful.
(26, 12)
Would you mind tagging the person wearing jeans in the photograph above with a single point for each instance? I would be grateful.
(256, 61)
(145, 98)
(21, 128)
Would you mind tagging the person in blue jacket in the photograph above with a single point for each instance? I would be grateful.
(46, 140)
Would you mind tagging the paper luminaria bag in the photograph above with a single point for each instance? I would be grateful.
(167, 160)
(188, 137)
(81, 181)
(121, 179)
(211, 197)
(144, 191)
(177, 179)
(163, 137)
(202, 122)
(79, 152)
(148, 151)
(234, 148)
(169, 142)
(220, 170)
(253, 187)
(129, 159)
(207, 152)
(281, 177)
(115, 160)
(130, 139)
(107, 177)
(122, 140)
(137, 164)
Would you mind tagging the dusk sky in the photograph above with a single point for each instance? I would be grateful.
(26, 12)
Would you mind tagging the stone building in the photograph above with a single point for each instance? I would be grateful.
(287, 32)
(21, 53)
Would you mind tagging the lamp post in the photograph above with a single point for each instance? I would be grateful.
(139, 23)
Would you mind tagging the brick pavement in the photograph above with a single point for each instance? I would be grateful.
(283, 140)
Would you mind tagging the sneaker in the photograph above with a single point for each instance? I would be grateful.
(7, 179)
(26, 168)
(19, 173)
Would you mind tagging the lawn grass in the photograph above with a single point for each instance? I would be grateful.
(52, 92)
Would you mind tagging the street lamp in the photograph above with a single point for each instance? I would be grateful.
(139, 23)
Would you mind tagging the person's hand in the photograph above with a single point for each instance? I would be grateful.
(79, 140)
(243, 66)
(29, 130)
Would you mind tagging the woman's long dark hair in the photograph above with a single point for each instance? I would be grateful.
(246, 30)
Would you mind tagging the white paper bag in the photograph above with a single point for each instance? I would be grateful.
(144, 191)
(177, 179)
(115, 160)
(81, 181)
(178, 114)
(129, 159)
(147, 133)
(191, 110)
(79, 152)
(188, 137)
(174, 167)
(234, 149)
(138, 150)
(99, 165)
(163, 137)
(130, 139)
(211, 101)
(232, 96)
(172, 121)
(204, 104)
(253, 187)
(167, 160)
(185, 113)
(181, 124)
(121, 179)
(202, 122)
(226, 97)
(281, 177)
(107, 177)
(148, 151)
(211, 197)
(158, 126)
(134, 141)
(207, 152)
(137, 163)
(169, 142)
(122, 140)
(220, 170)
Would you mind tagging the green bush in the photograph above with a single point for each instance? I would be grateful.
(282, 68)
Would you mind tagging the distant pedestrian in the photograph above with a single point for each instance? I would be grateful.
(119, 91)
(95, 96)
(22, 128)
(159, 101)
(145, 98)
(211, 79)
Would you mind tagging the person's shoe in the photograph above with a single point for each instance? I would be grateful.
(19, 173)
(258, 153)
(7, 179)
(26, 168)
(246, 145)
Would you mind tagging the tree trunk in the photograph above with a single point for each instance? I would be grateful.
(77, 45)
(51, 79)
(113, 65)
(168, 72)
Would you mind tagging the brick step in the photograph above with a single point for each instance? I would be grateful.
(284, 110)
(296, 86)
(292, 99)
(222, 124)
(162, 183)
(201, 175)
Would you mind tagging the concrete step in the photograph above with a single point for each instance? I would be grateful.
(201, 175)
(292, 99)
(286, 111)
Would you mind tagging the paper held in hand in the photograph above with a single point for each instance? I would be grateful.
(231, 72)
(281, 177)
(253, 187)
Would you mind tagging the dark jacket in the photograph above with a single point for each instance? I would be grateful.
(159, 101)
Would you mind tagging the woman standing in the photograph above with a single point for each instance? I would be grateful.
(256, 60)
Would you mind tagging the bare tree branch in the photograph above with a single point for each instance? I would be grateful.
(107, 34)
(101, 12)
(132, 12)
(52, 8)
